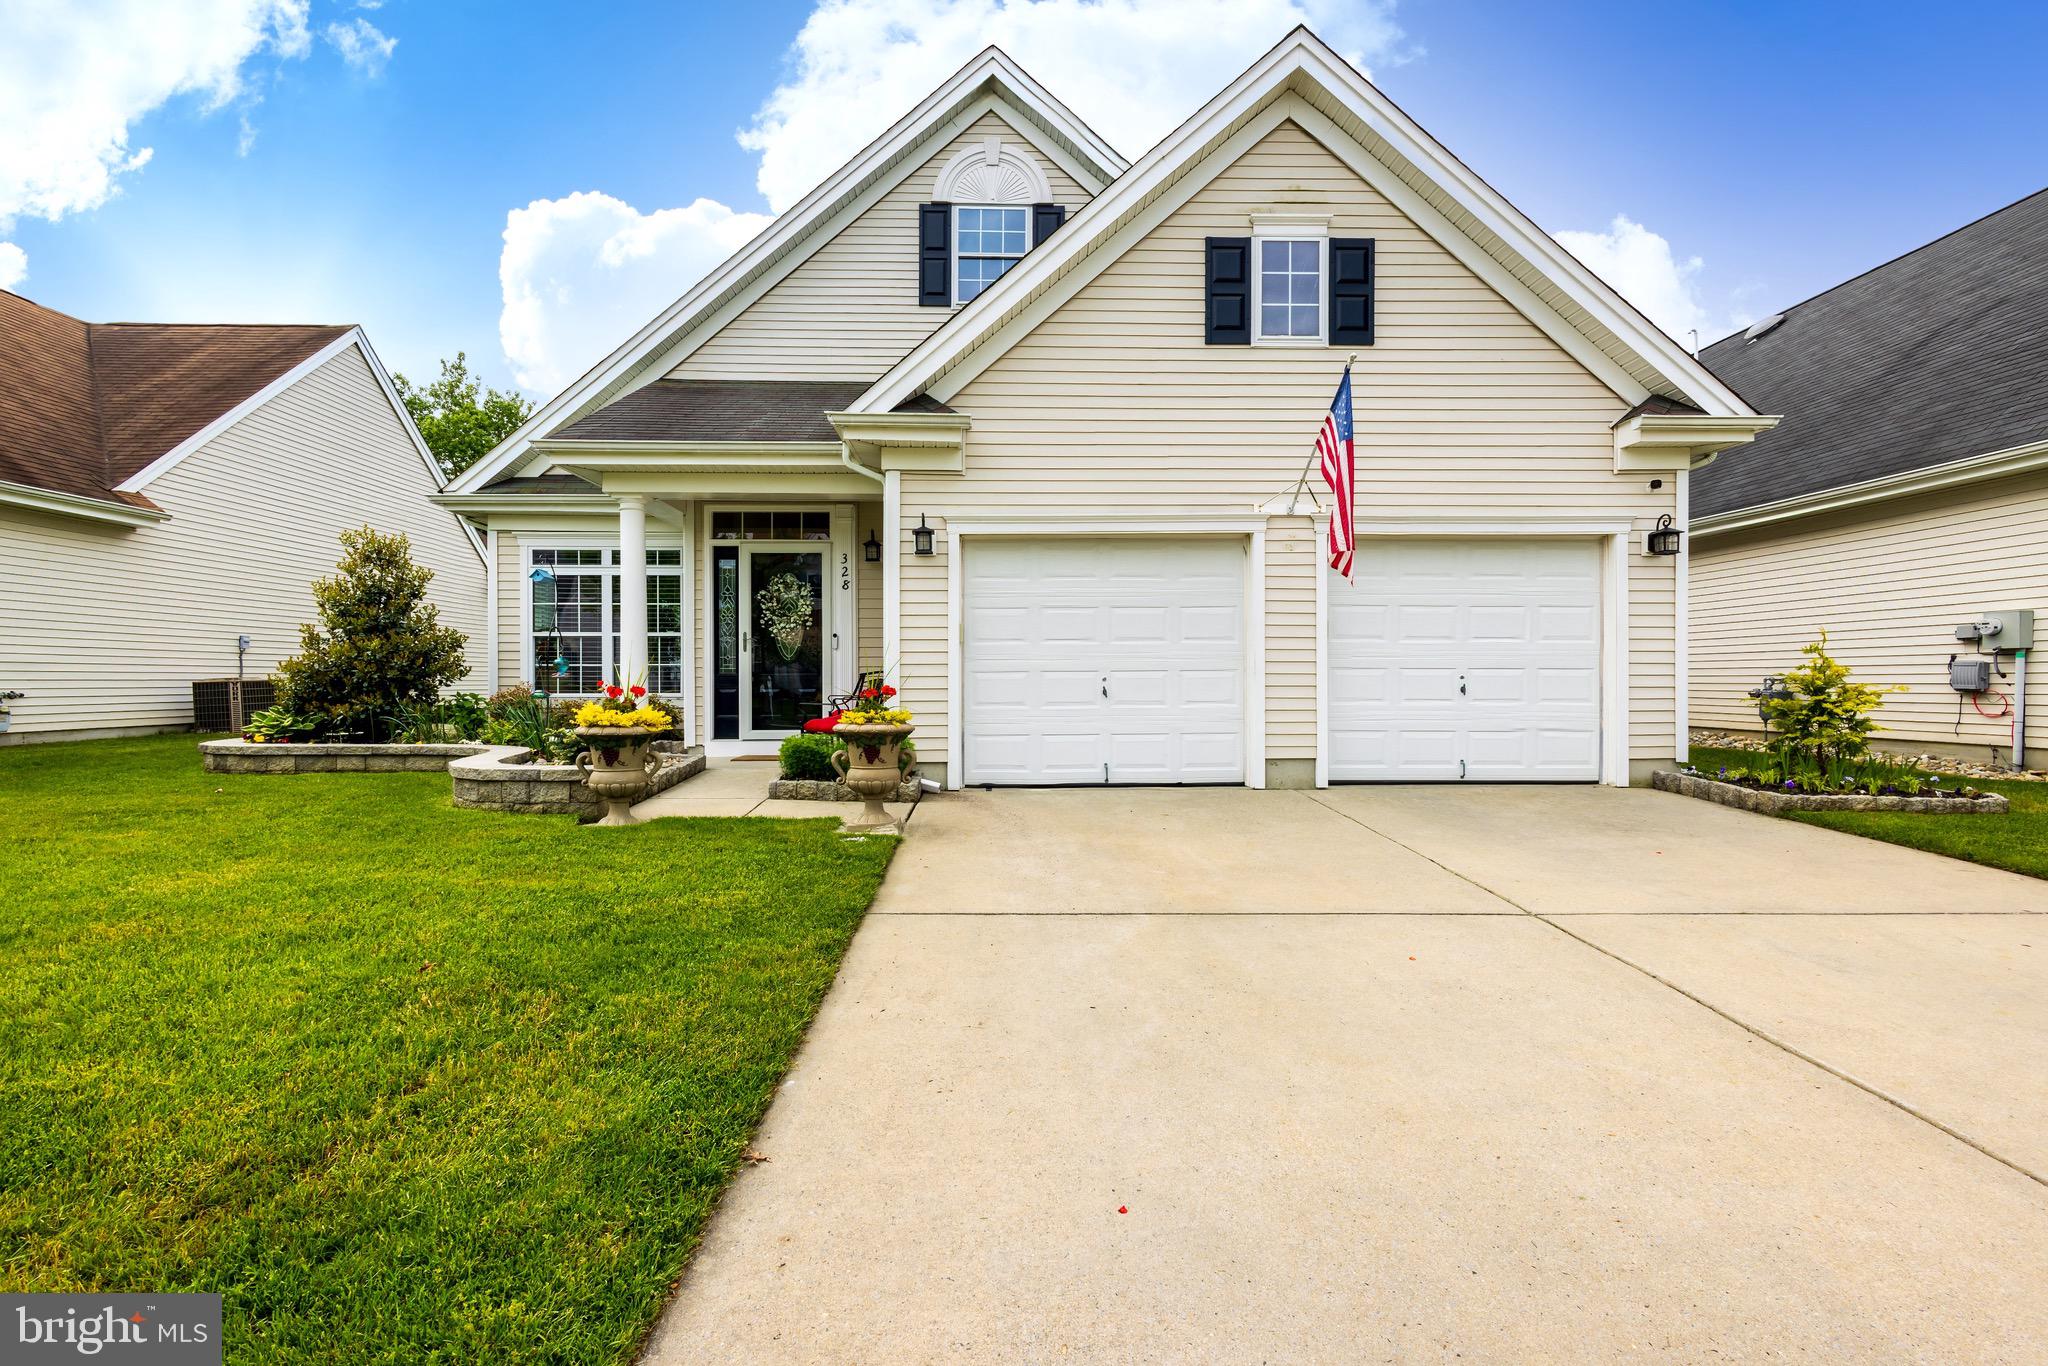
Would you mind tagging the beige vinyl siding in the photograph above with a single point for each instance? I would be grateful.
(511, 607)
(1464, 408)
(107, 628)
(868, 589)
(850, 311)
(1889, 581)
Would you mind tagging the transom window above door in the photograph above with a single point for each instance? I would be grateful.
(771, 526)
(987, 242)
(1289, 288)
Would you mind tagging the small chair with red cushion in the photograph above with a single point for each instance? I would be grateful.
(822, 725)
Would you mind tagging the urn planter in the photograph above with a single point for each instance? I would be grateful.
(871, 765)
(618, 766)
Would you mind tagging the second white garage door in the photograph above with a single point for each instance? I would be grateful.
(1097, 660)
(1474, 660)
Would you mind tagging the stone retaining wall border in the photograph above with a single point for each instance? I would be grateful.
(1770, 803)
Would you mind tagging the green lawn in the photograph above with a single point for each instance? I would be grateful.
(403, 1083)
(2017, 840)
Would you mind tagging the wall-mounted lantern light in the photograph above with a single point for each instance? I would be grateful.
(1664, 540)
(922, 535)
(871, 549)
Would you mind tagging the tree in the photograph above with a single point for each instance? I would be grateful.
(1822, 715)
(383, 646)
(461, 420)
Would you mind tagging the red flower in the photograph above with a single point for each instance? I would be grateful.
(613, 691)
(637, 690)
(888, 691)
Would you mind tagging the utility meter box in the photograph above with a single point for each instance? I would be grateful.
(1969, 675)
(2015, 629)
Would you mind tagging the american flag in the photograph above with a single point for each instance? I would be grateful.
(1333, 448)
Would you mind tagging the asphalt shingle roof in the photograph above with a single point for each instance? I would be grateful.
(1939, 355)
(85, 405)
(728, 410)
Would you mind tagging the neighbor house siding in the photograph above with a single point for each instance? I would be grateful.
(1464, 408)
(850, 311)
(1888, 582)
(107, 628)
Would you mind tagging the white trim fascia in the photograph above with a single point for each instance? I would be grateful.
(1321, 523)
(1109, 524)
(77, 505)
(499, 504)
(1513, 525)
(1659, 442)
(1932, 478)
(577, 451)
(1614, 662)
(171, 458)
(803, 219)
(1301, 56)
(1681, 517)
(1255, 661)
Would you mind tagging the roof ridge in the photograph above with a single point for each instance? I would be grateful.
(1887, 263)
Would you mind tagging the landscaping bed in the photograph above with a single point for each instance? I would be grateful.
(813, 790)
(1773, 802)
(401, 1082)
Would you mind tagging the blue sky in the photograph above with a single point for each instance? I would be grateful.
(1784, 146)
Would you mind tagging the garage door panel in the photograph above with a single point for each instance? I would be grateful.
(1477, 658)
(1159, 622)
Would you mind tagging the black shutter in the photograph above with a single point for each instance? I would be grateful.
(935, 255)
(1229, 319)
(1351, 288)
(1045, 220)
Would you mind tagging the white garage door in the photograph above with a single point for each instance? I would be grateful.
(1093, 661)
(1466, 659)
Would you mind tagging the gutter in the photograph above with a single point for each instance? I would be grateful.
(1969, 470)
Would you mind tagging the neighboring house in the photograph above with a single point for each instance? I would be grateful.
(166, 489)
(1021, 424)
(1906, 493)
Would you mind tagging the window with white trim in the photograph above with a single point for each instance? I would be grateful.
(575, 618)
(987, 240)
(1287, 289)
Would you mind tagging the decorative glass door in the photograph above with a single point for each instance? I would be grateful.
(782, 655)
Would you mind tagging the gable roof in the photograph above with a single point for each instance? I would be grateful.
(1303, 80)
(680, 410)
(800, 230)
(92, 405)
(1937, 356)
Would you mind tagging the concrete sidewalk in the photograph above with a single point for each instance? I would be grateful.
(1235, 1076)
(739, 787)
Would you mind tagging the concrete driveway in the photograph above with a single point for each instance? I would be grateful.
(1510, 1074)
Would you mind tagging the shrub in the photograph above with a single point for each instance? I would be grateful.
(1823, 716)
(447, 721)
(808, 758)
(280, 725)
(380, 646)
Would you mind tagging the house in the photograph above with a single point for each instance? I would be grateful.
(1905, 495)
(1023, 425)
(168, 495)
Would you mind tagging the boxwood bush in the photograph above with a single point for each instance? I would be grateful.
(808, 758)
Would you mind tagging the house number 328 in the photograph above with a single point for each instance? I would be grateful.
(845, 573)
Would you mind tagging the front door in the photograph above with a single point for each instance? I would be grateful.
(782, 650)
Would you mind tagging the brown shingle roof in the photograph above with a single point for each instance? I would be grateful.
(83, 406)
(729, 410)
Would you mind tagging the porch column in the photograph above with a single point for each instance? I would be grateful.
(633, 587)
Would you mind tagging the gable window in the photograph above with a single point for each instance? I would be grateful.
(576, 617)
(986, 242)
(1287, 288)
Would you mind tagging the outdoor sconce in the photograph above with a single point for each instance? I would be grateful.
(922, 534)
(871, 549)
(1664, 540)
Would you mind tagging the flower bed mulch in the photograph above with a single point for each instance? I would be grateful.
(1772, 801)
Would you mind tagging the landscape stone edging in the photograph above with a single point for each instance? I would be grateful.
(806, 790)
(239, 756)
(1777, 803)
(485, 777)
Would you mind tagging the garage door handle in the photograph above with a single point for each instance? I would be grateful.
(1461, 685)
(1105, 687)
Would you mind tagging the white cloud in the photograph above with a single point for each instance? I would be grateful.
(13, 265)
(75, 79)
(1641, 267)
(580, 274)
(1131, 69)
(362, 45)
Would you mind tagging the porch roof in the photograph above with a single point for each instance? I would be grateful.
(708, 410)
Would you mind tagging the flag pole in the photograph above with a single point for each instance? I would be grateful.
(1302, 483)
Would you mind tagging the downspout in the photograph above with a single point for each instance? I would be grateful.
(846, 459)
